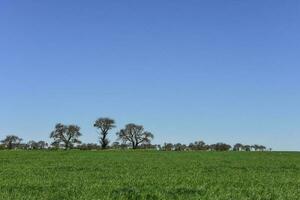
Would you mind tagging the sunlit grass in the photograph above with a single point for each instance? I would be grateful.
(61, 175)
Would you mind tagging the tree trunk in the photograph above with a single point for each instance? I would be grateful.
(9, 146)
(103, 145)
(133, 145)
(66, 146)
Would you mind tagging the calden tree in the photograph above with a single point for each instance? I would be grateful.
(66, 134)
(11, 141)
(135, 135)
(104, 125)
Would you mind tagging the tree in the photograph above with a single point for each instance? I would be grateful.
(247, 147)
(67, 135)
(32, 144)
(104, 124)
(134, 135)
(180, 147)
(42, 144)
(37, 145)
(88, 146)
(238, 147)
(220, 147)
(22, 146)
(263, 148)
(198, 145)
(255, 147)
(118, 145)
(11, 141)
(168, 147)
(115, 145)
(148, 146)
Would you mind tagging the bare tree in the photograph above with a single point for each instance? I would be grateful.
(11, 141)
(68, 135)
(104, 125)
(135, 135)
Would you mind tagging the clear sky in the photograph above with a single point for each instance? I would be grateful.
(218, 71)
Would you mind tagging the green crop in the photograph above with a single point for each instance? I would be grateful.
(150, 175)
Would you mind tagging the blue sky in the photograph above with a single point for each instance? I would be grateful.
(219, 71)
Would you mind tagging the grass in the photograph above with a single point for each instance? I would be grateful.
(149, 175)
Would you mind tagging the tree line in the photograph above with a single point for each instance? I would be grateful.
(132, 136)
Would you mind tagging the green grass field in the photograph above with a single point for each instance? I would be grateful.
(149, 175)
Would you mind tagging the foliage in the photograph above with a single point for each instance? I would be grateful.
(104, 125)
(11, 141)
(199, 145)
(134, 135)
(37, 145)
(88, 146)
(241, 147)
(66, 135)
(220, 147)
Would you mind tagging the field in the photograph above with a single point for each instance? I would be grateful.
(149, 175)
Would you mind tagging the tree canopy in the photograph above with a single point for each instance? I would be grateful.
(65, 134)
(135, 135)
(11, 141)
(104, 125)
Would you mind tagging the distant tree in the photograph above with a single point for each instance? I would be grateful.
(42, 144)
(198, 145)
(180, 147)
(23, 146)
(191, 146)
(67, 135)
(134, 135)
(212, 147)
(88, 146)
(104, 125)
(158, 147)
(255, 147)
(37, 145)
(168, 147)
(118, 145)
(124, 146)
(238, 147)
(115, 145)
(32, 144)
(220, 147)
(261, 148)
(11, 141)
(148, 146)
(247, 147)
